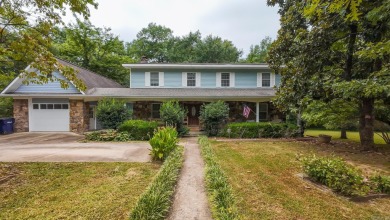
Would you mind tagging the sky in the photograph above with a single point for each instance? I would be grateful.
(244, 22)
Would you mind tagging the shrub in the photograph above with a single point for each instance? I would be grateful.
(172, 114)
(336, 174)
(213, 115)
(380, 184)
(155, 202)
(163, 142)
(112, 112)
(138, 129)
(107, 135)
(218, 188)
(259, 130)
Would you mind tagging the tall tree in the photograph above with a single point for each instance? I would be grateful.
(215, 50)
(94, 48)
(184, 48)
(258, 53)
(343, 55)
(25, 36)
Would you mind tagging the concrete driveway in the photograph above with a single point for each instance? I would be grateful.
(66, 147)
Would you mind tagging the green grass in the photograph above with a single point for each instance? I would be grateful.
(264, 179)
(219, 190)
(72, 190)
(351, 135)
(155, 202)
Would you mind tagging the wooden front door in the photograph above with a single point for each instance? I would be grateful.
(193, 114)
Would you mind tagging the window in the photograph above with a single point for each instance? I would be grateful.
(154, 79)
(225, 79)
(266, 80)
(50, 106)
(91, 112)
(191, 79)
(263, 111)
(65, 106)
(43, 106)
(35, 106)
(156, 110)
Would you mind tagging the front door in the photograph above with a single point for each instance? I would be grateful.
(193, 114)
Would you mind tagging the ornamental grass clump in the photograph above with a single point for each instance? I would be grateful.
(163, 142)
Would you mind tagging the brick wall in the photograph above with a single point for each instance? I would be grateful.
(21, 115)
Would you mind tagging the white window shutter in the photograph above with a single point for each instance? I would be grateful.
(198, 79)
(147, 79)
(259, 79)
(232, 80)
(184, 79)
(161, 79)
(218, 81)
(272, 79)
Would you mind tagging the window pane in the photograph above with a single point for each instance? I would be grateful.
(263, 107)
(156, 110)
(35, 106)
(191, 79)
(49, 106)
(266, 80)
(57, 106)
(154, 79)
(225, 79)
(65, 106)
(262, 115)
(43, 106)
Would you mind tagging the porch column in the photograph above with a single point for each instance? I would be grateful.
(257, 111)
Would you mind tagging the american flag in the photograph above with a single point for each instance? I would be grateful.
(246, 111)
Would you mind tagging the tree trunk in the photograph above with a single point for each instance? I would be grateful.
(350, 51)
(300, 124)
(366, 124)
(343, 134)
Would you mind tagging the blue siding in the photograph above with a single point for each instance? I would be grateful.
(173, 79)
(208, 79)
(277, 79)
(246, 79)
(50, 87)
(137, 79)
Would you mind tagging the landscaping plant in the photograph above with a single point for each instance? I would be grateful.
(381, 183)
(154, 204)
(218, 187)
(213, 116)
(163, 142)
(112, 112)
(107, 135)
(172, 114)
(138, 129)
(259, 130)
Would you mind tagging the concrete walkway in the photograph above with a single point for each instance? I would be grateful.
(190, 201)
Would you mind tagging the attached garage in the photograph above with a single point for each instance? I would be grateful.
(49, 115)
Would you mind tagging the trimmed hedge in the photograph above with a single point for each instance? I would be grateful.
(156, 201)
(138, 129)
(219, 190)
(107, 135)
(260, 130)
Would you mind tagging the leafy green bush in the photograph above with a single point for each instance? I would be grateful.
(163, 142)
(112, 112)
(380, 184)
(155, 202)
(259, 130)
(336, 174)
(172, 114)
(138, 129)
(107, 135)
(213, 115)
(218, 188)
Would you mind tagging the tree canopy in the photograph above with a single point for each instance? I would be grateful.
(258, 53)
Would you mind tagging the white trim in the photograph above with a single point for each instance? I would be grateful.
(161, 79)
(257, 111)
(198, 79)
(184, 79)
(14, 81)
(272, 76)
(259, 79)
(232, 79)
(218, 80)
(147, 79)
(198, 66)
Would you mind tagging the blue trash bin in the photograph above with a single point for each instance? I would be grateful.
(7, 125)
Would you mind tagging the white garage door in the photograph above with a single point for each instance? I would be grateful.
(49, 115)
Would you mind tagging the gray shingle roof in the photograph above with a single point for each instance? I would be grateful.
(91, 79)
(183, 92)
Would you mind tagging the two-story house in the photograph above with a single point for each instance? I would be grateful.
(48, 107)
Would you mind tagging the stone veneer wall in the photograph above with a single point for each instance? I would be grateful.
(21, 115)
(143, 110)
(79, 119)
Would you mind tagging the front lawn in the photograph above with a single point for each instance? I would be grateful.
(72, 190)
(351, 135)
(264, 180)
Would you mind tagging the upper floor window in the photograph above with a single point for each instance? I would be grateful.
(265, 80)
(225, 79)
(154, 78)
(191, 79)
